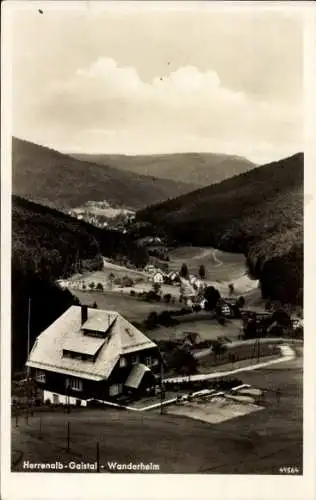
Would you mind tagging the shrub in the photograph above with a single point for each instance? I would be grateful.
(152, 320)
(167, 298)
(91, 285)
(166, 319)
(212, 297)
(281, 317)
(240, 303)
(268, 305)
(133, 293)
(221, 319)
(99, 287)
(197, 308)
(127, 281)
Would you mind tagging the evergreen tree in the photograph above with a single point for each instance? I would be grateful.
(202, 272)
(184, 272)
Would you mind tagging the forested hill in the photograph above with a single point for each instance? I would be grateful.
(201, 169)
(54, 244)
(60, 181)
(259, 213)
(46, 245)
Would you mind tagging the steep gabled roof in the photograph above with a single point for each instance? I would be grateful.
(67, 333)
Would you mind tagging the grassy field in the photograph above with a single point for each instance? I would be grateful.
(259, 442)
(219, 266)
(132, 308)
(208, 329)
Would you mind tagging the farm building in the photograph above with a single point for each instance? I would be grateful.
(93, 354)
(158, 278)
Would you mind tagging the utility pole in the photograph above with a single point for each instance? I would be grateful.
(28, 336)
(98, 456)
(161, 385)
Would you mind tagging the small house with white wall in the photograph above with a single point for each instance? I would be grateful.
(93, 354)
(158, 278)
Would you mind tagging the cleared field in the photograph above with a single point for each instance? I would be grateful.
(208, 329)
(130, 307)
(215, 411)
(259, 442)
(221, 267)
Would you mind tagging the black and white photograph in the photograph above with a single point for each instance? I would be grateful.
(157, 247)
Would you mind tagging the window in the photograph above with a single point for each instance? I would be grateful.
(115, 389)
(74, 383)
(94, 333)
(40, 376)
(122, 362)
(78, 355)
(55, 399)
(148, 361)
(134, 359)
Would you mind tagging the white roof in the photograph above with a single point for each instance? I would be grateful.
(99, 322)
(135, 377)
(122, 337)
(84, 345)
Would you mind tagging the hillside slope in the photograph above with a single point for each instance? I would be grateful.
(57, 180)
(201, 169)
(259, 213)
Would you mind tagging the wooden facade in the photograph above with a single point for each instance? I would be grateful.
(109, 389)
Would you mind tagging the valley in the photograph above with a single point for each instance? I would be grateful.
(94, 255)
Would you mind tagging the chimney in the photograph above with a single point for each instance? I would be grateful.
(84, 314)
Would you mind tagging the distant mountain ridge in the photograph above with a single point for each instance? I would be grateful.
(259, 213)
(201, 169)
(51, 178)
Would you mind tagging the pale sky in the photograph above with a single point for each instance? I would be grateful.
(159, 80)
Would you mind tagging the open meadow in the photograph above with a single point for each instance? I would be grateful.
(219, 266)
(132, 308)
(260, 442)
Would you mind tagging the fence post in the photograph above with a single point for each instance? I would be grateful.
(98, 456)
(68, 436)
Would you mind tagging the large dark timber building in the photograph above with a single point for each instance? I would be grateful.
(89, 354)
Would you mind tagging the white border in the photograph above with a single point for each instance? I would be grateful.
(39, 486)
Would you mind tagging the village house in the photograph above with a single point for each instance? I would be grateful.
(158, 278)
(174, 277)
(93, 354)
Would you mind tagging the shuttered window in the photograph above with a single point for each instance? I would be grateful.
(74, 383)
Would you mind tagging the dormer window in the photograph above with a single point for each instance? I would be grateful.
(93, 333)
(78, 355)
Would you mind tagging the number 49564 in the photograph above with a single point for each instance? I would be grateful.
(289, 470)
